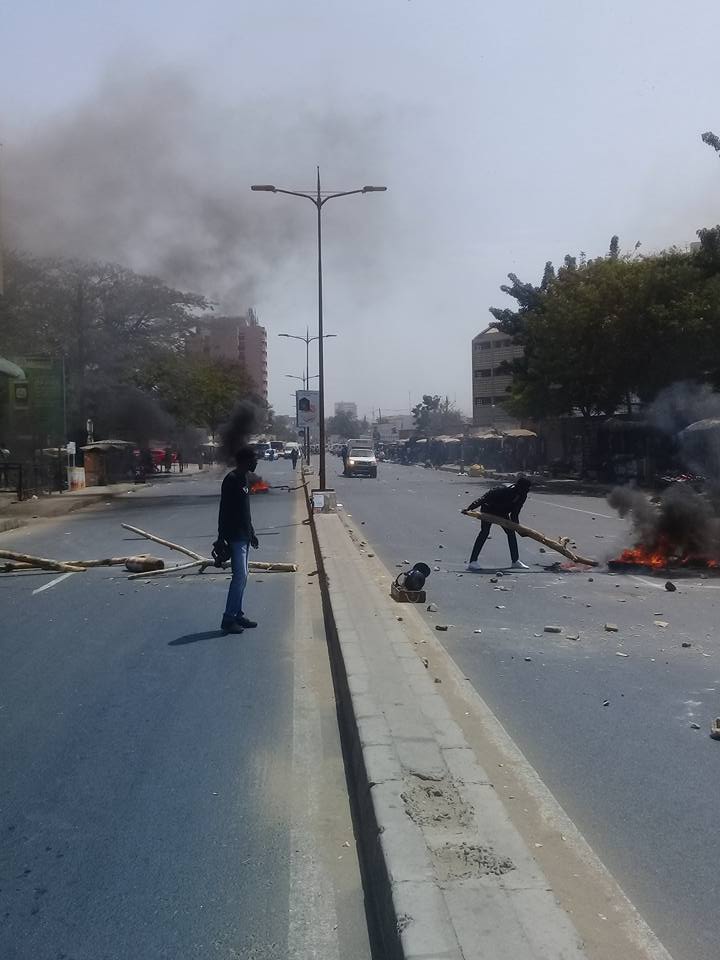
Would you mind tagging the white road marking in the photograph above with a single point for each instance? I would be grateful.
(52, 583)
(561, 506)
(660, 584)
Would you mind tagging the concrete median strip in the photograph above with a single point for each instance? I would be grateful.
(449, 874)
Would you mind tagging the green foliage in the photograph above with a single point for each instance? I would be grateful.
(602, 332)
(105, 321)
(436, 417)
(346, 426)
(711, 140)
(195, 389)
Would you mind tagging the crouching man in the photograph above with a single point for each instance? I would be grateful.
(505, 502)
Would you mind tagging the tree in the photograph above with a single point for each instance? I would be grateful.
(282, 427)
(602, 332)
(104, 320)
(197, 390)
(436, 417)
(344, 425)
(711, 140)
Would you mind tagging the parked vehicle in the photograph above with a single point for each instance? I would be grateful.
(361, 462)
(279, 448)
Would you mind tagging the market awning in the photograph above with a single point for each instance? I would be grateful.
(10, 369)
(701, 426)
(105, 445)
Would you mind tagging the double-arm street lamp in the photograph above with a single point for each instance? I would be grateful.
(319, 198)
(307, 340)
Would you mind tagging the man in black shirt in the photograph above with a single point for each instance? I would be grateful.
(506, 502)
(236, 529)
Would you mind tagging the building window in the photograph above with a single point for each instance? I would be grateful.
(486, 346)
(487, 401)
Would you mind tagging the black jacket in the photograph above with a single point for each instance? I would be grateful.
(502, 501)
(234, 521)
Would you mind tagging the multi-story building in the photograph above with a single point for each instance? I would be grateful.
(490, 349)
(345, 406)
(236, 338)
(393, 428)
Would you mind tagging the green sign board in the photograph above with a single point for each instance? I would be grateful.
(37, 403)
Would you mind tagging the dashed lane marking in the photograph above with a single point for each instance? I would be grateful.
(561, 506)
(52, 583)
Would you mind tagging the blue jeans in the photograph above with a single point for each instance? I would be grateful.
(239, 554)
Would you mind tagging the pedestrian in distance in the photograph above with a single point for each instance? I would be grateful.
(236, 530)
(505, 502)
(344, 455)
(294, 456)
(168, 459)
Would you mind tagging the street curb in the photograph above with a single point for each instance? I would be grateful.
(11, 524)
(401, 748)
(383, 919)
(66, 505)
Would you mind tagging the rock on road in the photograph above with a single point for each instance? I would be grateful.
(605, 717)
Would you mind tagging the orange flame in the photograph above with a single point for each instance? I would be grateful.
(664, 554)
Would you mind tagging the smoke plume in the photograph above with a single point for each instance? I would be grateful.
(154, 173)
(237, 431)
(682, 523)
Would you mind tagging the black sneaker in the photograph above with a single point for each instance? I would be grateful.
(244, 622)
(230, 625)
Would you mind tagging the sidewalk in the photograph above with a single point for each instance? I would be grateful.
(18, 513)
(14, 513)
(450, 876)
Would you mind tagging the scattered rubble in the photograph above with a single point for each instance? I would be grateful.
(661, 623)
(442, 627)
(670, 586)
(619, 653)
(694, 726)
(611, 627)
(551, 628)
(686, 643)
(432, 608)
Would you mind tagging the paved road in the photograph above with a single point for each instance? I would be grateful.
(151, 801)
(640, 783)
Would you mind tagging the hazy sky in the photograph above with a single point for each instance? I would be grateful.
(507, 134)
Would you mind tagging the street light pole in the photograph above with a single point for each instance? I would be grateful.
(319, 200)
(307, 340)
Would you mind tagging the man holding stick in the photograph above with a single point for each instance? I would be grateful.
(506, 502)
(236, 529)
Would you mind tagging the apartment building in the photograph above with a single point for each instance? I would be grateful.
(490, 349)
(346, 406)
(239, 338)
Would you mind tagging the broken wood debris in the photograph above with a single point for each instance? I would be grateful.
(560, 545)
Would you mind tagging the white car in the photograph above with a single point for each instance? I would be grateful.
(361, 462)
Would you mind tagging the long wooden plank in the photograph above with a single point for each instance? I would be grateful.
(523, 531)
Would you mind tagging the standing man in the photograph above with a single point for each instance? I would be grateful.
(235, 528)
(505, 502)
(294, 456)
(344, 455)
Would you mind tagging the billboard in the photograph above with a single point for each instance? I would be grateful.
(307, 408)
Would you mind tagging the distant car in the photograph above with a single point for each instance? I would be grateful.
(270, 453)
(361, 462)
(279, 448)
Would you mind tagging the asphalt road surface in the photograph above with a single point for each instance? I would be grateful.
(606, 718)
(168, 792)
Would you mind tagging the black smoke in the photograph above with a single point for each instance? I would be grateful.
(239, 428)
(680, 523)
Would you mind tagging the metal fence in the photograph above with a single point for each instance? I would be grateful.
(30, 478)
